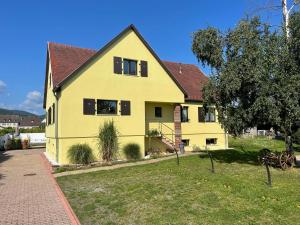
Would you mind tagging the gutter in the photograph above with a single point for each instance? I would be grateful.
(56, 94)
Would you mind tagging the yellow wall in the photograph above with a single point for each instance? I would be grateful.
(197, 132)
(50, 129)
(98, 81)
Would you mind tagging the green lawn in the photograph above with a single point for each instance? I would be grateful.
(165, 193)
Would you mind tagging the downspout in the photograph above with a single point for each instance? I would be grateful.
(56, 126)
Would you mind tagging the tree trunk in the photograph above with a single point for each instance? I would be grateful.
(285, 15)
(288, 139)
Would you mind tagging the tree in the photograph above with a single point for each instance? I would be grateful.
(254, 75)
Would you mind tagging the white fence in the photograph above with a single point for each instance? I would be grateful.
(35, 139)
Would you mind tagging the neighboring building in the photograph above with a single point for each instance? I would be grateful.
(21, 121)
(124, 81)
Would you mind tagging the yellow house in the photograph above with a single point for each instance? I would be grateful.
(125, 81)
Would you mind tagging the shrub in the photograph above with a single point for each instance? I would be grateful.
(15, 143)
(132, 151)
(153, 133)
(108, 141)
(80, 154)
(7, 130)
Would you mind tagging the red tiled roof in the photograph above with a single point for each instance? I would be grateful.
(66, 59)
(189, 77)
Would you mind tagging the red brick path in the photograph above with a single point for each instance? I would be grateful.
(28, 193)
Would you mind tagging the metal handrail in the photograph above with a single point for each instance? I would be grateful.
(160, 126)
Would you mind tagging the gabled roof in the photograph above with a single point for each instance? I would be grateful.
(24, 121)
(67, 60)
(190, 77)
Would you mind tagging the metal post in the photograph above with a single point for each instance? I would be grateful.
(177, 157)
(269, 174)
(211, 160)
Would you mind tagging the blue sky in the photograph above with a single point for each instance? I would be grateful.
(26, 26)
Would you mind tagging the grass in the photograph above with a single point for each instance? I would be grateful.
(165, 193)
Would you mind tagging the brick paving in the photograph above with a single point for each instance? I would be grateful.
(31, 199)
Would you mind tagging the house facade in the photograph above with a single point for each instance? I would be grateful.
(15, 121)
(125, 81)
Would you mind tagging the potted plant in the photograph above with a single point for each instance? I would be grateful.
(25, 144)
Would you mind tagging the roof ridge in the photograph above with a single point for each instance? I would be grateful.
(71, 46)
(168, 61)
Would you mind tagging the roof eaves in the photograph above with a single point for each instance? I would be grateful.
(110, 43)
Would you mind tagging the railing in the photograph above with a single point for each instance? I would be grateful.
(162, 127)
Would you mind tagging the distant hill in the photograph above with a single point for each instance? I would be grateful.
(18, 112)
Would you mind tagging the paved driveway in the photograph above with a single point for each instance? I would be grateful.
(28, 193)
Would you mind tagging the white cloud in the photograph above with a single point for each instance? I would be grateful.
(2, 86)
(33, 102)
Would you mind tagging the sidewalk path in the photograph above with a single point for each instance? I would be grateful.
(29, 195)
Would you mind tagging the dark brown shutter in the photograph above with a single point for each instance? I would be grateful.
(117, 65)
(88, 106)
(49, 116)
(201, 114)
(144, 68)
(53, 116)
(125, 108)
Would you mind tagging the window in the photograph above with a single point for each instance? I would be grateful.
(158, 112)
(186, 142)
(211, 141)
(184, 114)
(106, 106)
(130, 67)
(210, 115)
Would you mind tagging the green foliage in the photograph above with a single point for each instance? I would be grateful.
(153, 133)
(235, 194)
(108, 141)
(33, 130)
(132, 151)
(207, 46)
(15, 143)
(294, 25)
(7, 130)
(296, 136)
(258, 80)
(80, 154)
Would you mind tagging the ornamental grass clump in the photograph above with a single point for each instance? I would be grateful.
(108, 141)
(132, 151)
(80, 154)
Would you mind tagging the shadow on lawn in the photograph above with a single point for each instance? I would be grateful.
(239, 155)
(232, 155)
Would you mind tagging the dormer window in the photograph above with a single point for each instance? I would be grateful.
(130, 67)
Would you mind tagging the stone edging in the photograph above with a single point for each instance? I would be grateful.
(150, 161)
(61, 196)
